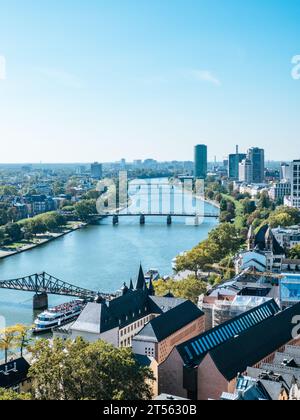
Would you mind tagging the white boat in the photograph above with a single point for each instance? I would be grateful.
(58, 316)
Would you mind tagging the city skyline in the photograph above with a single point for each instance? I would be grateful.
(136, 79)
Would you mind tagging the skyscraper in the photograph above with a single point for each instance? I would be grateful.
(257, 158)
(96, 170)
(246, 171)
(200, 161)
(233, 164)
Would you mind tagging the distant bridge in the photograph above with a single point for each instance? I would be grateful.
(197, 217)
(43, 284)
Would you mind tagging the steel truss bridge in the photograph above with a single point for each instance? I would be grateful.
(43, 284)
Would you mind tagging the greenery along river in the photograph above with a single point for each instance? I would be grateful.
(103, 256)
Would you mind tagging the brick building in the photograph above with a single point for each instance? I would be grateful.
(209, 364)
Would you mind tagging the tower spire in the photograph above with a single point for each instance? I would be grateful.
(141, 279)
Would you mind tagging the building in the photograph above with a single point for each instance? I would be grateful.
(265, 388)
(263, 243)
(285, 172)
(257, 157)
(210, 364)
(287, 237)
(119, 320)
(295, 189)
(246, 171)
(96, 170)
(233, 164)
(279, 190)
(289, 289)
(222, 310)
(158, 337)
(275, 381)
(200, 161)
(14, 375)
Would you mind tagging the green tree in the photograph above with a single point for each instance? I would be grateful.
(14, 232)
(10, 395)
(190, 288)
(294, 253)
(77, 370)
(195, 260)
(22, 337)
(2, 236)
(84, 209)
(7, 337)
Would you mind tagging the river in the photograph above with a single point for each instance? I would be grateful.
(102, 257)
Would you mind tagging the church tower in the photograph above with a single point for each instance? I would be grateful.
(251, 239)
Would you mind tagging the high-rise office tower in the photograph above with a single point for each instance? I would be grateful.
(246, 171)
(96, 170)
(200, 161)
(257, 158)
(295, 193)
(233, 164)
(285, 172)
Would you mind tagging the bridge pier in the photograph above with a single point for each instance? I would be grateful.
(196, 221)
(142, 220)
(115, 220)
(169, 220)
(40, 301)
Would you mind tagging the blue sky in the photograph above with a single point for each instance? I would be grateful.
(107, 79)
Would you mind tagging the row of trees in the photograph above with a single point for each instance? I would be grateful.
(26, 229)
(78, 370)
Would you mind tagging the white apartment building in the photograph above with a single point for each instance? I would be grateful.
(246, 171)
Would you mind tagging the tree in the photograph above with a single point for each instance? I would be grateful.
(249, 206)
(294, 253)
(2, 236)
(10, 395)
(77, 370)
(22, 338)
(195, 260)
(264, 201)
(7, 336)
(84, 209)
(14, 232)
(190, 288)
(224, 240)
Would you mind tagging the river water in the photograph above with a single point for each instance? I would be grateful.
(102, 257)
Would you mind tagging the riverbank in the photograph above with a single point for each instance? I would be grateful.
(39, 240)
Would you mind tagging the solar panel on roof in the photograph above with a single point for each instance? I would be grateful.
(199, 348)
(195, 349)
(187, 350)
(201, 345)
(211, 340)
(207, 343)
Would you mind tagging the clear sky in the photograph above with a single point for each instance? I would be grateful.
(109, 79)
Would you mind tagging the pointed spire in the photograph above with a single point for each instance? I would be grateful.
(131, 287)
(141, 279)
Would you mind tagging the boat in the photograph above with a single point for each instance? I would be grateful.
(58, 316)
